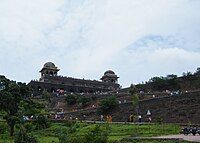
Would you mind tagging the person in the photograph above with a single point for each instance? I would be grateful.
(70, 117)
(139, 118)
(101, 118)
(131, 118)
(110, 119)
(84, 117)
(149, 119)
(107, 118)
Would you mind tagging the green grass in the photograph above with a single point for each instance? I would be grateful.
(116, 131)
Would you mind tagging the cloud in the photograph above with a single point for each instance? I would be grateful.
(144, 64)
(85, 37)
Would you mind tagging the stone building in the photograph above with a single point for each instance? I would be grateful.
(51, 82)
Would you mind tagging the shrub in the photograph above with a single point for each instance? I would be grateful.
(84, 101)
(41, 122)
(97, 134)
(29, 126)
(23, 137)
(108, 103)
(71, 99)
(67, 135)
(3, 127)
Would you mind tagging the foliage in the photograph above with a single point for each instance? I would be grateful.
(23, 137)
(135, 100)
(41, 122)
(71, 99)
(83, 101)
(97, 134)
(10, 97)
(132, 89)
(46, 95)
(67, 135)
(162, 83)
(108, 103)
(116, 131)
(29, 107)
(3, 127)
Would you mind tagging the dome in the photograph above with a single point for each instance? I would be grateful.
(109, 72)
(49, 65)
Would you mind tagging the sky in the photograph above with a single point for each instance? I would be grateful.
(137, 39)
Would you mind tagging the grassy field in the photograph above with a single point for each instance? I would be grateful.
(116, 131)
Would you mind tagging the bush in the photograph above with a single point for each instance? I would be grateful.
(67, 135)
(23, 137)
(3, 127)
(71, 99)
(41, 122)
(29, 126)
(97, 134)
(108, 103)
(84, 101)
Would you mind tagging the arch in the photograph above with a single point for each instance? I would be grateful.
(39, 88)
(53, 90)
(51, 73)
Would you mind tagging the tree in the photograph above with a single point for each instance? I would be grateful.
(132, 89)
(71, 99)
(83, 100)
(46, 95)
(108, 103)
(197, 72)
(135, 103)
(97, 134)
(10, 98)
(23, 137)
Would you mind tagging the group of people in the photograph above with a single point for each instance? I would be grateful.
(108, 118)
(139, 118)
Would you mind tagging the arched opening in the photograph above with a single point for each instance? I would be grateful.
(39, 88)
(53, 90)
(51, 73)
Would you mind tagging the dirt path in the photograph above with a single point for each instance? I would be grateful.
(184, 137)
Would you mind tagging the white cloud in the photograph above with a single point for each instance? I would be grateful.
(142, 65)
(86, 37)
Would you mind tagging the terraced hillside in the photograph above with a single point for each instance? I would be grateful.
(183, 108)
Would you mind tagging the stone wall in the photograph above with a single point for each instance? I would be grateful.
(170, 109)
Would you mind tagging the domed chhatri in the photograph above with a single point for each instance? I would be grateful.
(49, 65)
(49, 69)
(109, 72)
(110, 76)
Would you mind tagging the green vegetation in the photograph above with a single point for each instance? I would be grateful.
(188, 81)
(23, 137)
(58, 132)
(10, 97)
(108, 103)
(77, 99)
(16, 106)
